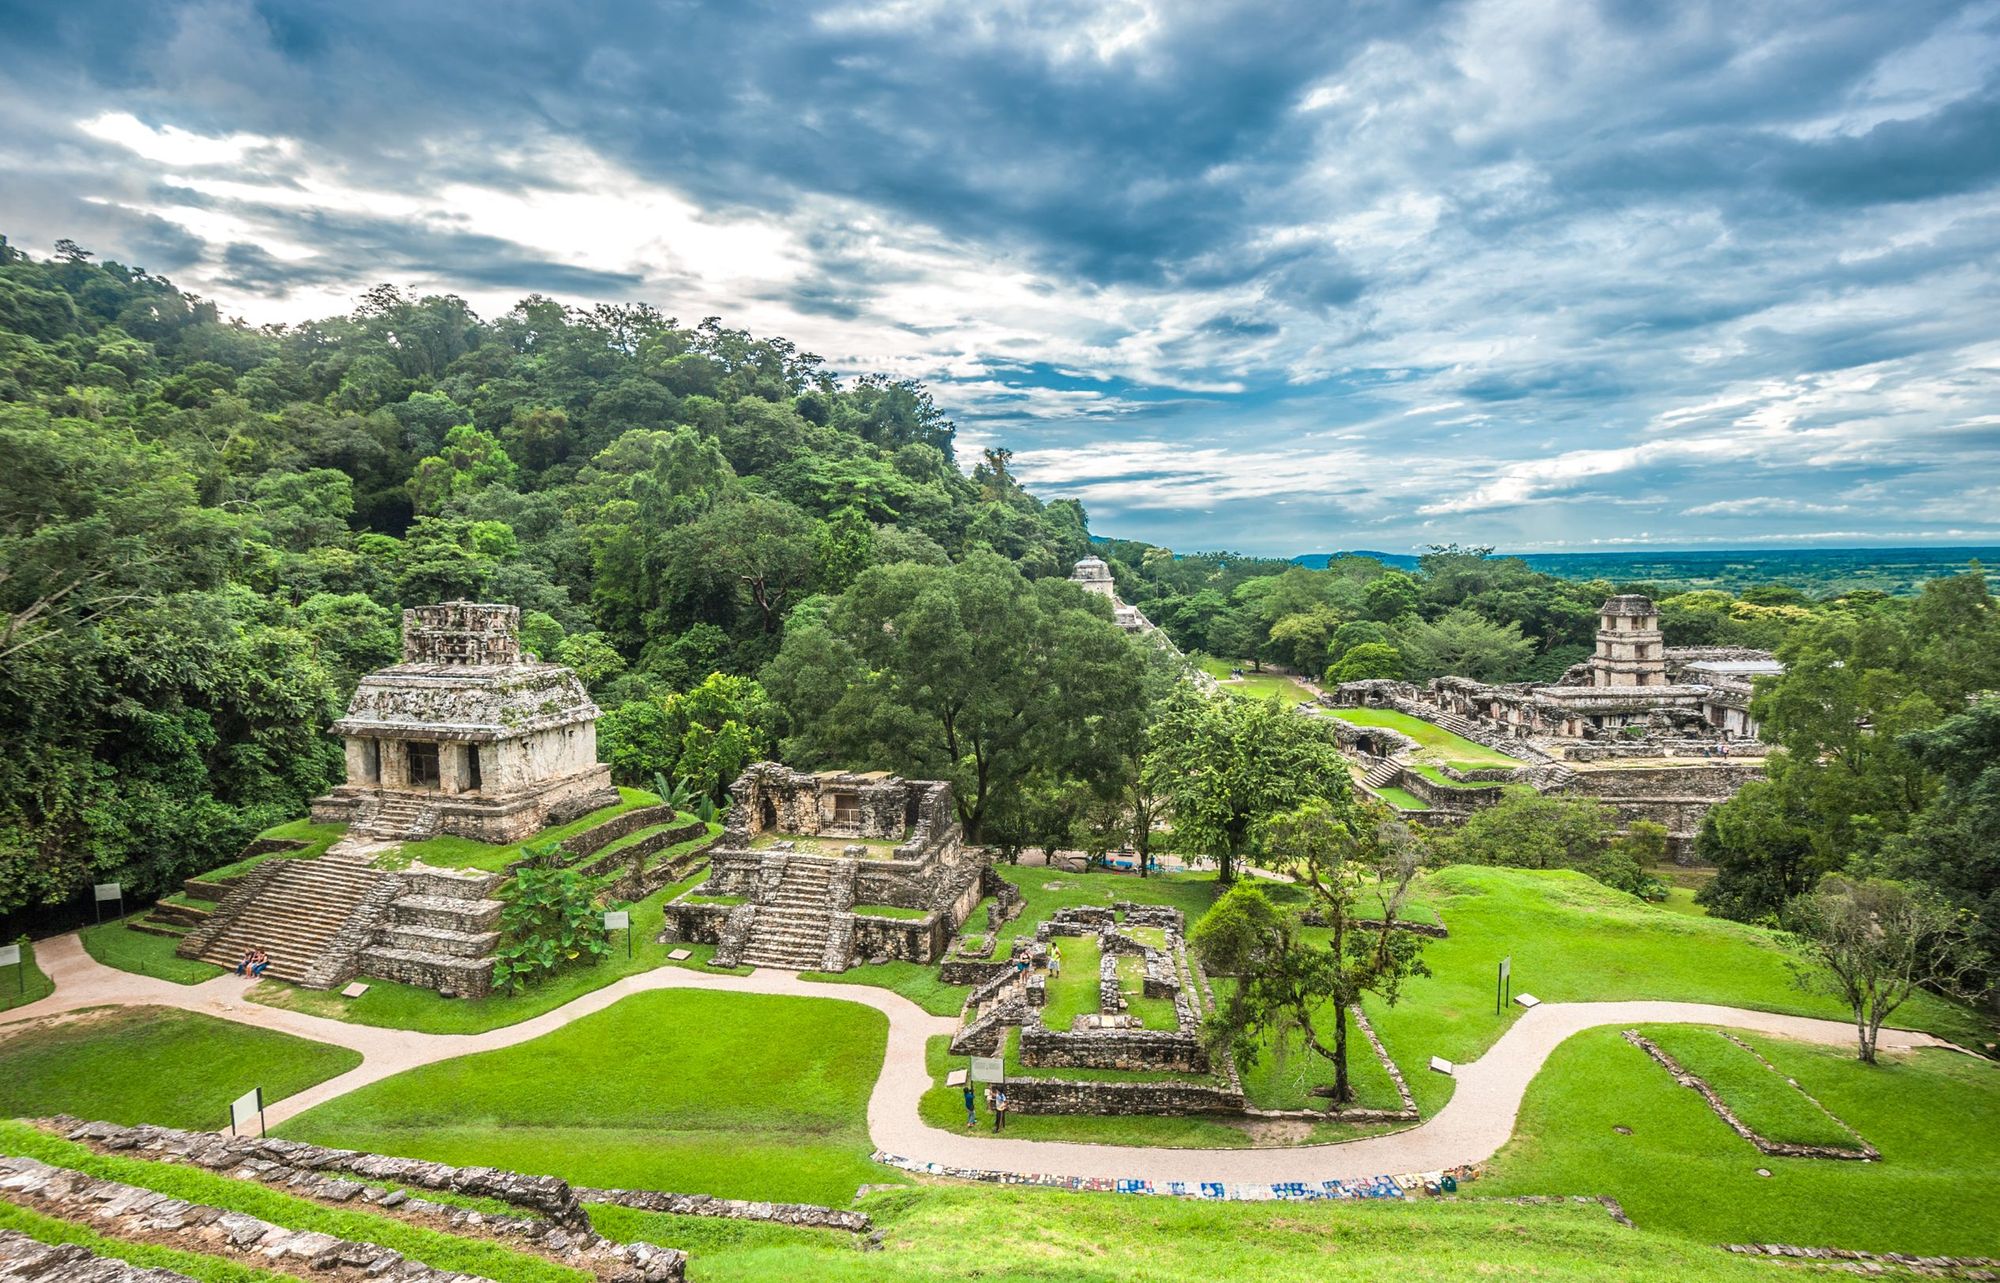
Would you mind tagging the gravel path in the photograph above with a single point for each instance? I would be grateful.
(1469, 1129)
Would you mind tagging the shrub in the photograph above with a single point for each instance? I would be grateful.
(551, 922)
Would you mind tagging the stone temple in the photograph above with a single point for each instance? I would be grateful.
(820, 870)
(466, 736)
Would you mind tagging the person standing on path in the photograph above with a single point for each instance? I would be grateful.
(971, 1114)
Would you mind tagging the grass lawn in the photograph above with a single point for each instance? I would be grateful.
(737, 1095)
(1014, 1235)
(464, 853)
(1265, 685)
(1761, 1098)
(433, 1247)
(399, 1006)
(1439, 778)
(317, 838)
(1075, 992)
(155, 1065)
(914, 980)
(1153, 1013)
(194, 1265)
(1575, 940)
(116, 944)
(1935, 1116)
(1451, 749)
(1401, 798)
(25, 983)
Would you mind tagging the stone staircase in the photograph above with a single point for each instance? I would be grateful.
(792, 923)
(1000, 1002)
(397, 819)
(300, 914)
(440, 932)
(1382, 774)
(841, 877)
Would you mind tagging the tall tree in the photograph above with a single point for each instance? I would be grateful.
(1358, 864)
(966, 672)
(1871, 942)
(1226, 764)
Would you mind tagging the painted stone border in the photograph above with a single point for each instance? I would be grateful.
(1777, 1149)
(1408, 1185)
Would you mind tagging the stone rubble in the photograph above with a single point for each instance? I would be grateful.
(127, 1211)
(561, 1230)
(27, 1260)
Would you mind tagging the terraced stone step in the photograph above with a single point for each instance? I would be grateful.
(453, 944)
(468, 975)
(446, 913)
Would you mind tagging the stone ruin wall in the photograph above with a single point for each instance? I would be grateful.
(1675, 797)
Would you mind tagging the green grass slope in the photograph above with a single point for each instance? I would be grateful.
(738, 1095)
(1934, 1115)
(1013, 1235)
(155, 1065)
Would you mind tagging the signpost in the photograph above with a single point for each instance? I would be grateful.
(616, 918)
(1504, 986)
(10, 956)
(109, 891)
(988, 1069)
(240, 1110)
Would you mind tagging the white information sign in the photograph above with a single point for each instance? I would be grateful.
(988, 1069)
(10, 955)
(109, 891)
(246, 1109)
(616, 918)
(1506, 968)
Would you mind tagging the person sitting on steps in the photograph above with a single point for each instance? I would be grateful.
(253, 963)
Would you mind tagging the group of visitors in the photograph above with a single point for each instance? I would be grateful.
(996, 1104)
(253, 963)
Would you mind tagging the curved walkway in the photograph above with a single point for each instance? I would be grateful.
(1469, 1129)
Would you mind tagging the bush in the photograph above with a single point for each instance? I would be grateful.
(551, 922)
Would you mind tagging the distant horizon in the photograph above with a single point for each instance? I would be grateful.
(1627, 550)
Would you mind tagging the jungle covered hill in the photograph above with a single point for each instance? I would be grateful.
(208, 530)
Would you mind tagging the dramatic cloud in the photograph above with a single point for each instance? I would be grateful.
(1277, 277)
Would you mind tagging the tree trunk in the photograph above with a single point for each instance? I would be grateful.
(1342, 1092)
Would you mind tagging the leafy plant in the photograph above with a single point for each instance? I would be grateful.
(550, 923)
(680, 794)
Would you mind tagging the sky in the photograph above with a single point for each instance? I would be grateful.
(1269, 277)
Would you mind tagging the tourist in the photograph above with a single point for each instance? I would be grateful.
(971, 1113)
(1055, 959)
(260, 961)
(999, 1108)
(243, 967)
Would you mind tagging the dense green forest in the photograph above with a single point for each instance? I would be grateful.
(207, 531)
